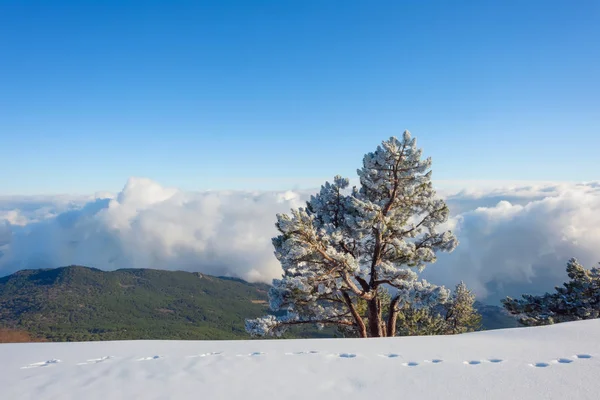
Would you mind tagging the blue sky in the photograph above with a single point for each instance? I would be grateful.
(282, 94)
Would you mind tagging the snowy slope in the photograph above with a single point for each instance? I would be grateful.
(553, 362)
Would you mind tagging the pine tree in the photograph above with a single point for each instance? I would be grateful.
(461, 315)
(457, 315)
(578, 299)
(345, 247)
(420, 322)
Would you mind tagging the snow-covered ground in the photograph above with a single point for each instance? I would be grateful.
(552, 362)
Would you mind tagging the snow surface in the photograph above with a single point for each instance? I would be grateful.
(551, 362)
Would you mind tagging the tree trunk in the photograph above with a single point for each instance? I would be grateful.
(360, 325)
(391, 323)
(375, 317)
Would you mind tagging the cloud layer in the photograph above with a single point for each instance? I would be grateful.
(149, 226)
(519, 240)
(513, 240)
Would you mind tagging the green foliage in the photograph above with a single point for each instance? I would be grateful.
(78, 303)
(578, 299)
(457, 315)
(419, 322)
(460, 314)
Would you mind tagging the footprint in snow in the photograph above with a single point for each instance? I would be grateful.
(411, 364)
(297, 353)
(42, 364)
(214, 353)
(391, 355)
(347, 355)
(434, 361)
(96, 360)
(540, 365)
(472, 362)
(149, 358)
(584, 356)
(255, 354)
(563, 361)
(495, 360)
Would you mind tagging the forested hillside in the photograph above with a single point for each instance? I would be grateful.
(78, 304)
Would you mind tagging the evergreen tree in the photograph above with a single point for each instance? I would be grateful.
(578, 299)
(457, 315)
(420, 322)
(461, 315)
(341, 250)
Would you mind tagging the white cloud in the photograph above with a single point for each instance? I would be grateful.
(521, 238)
(513, 240)
(148, 226)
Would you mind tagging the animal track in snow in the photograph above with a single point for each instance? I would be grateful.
(540, 365)
(410, 364)
(41, 364)
(96, 360)
(150, 358)
(298, 353)
(213, 353)
(255, 354)
(563, 361)
(478, 362)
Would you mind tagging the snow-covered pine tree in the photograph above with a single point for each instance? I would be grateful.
(578, 299)
(347, 246)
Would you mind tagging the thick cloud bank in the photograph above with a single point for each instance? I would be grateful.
(148, 226)
(511, 241)
(519, 240)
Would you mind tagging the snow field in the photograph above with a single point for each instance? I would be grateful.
(560, 361)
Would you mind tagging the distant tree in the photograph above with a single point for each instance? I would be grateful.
(341, 252)
(460, 314)
(456, 315)
(420, 321)
(578, 299)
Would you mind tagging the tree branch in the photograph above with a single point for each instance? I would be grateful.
(362, 293)
(362, 283)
